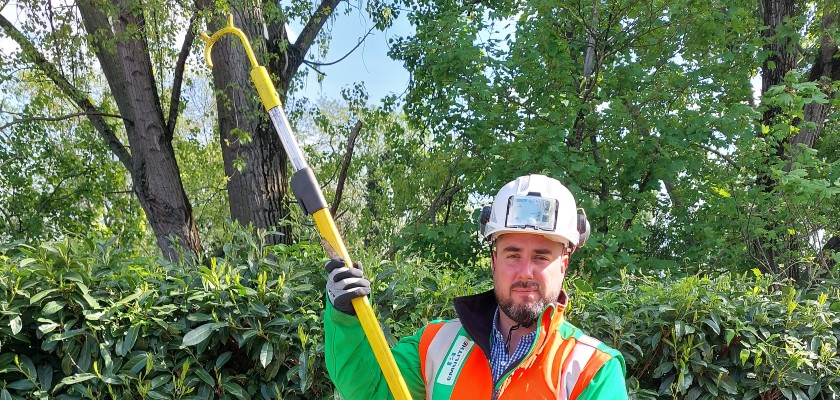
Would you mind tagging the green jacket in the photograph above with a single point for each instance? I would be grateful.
(356, 374)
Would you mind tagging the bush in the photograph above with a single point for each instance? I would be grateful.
(734, 336)
(82, 320)
(86, 319)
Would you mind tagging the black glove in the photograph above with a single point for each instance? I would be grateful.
(345, 284)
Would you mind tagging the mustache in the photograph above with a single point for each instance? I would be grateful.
(526, 285)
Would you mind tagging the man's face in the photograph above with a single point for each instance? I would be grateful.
(528, 272)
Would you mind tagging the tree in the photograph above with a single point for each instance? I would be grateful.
(117, 35)
(254, 157)
(644, 109)
(143, 54)
(796, 44)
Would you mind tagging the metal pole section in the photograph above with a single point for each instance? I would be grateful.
(281, 125)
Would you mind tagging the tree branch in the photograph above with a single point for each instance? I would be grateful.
(362, 40)
(175, 102)
(445, 194)
(76, 95)
(61, 118)
(724, 157)
(348, 156)
(313, 26)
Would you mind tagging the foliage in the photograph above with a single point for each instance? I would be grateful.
(137, 104)
(730, 336)
(58, 176)
(89, 319)
(644, 109)
(401, 193)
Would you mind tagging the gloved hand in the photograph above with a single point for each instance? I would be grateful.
(345, 284)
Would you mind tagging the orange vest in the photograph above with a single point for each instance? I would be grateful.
(556, 367)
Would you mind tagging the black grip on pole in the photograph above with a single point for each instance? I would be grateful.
(307, 191)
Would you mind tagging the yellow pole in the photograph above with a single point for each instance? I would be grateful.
(311, 199)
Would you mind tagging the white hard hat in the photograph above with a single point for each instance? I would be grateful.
(536, 204)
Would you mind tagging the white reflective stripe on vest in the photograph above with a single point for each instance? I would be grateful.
(438, 352)
(581, 353)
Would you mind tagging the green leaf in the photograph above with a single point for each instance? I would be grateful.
(45, 376)
(41, 295)
(222, 359)
(73, 379)
(73, 277)
(47, 328)
(22, 384)
(728, 385)
(303, 371)
(712, 324)
(234, 389)
(112, 379)
(199, 317)
(53, 307)
(730, 334)
(16, 324)
(266, 354)
(201, 333)
(67, 335)
(152, 394)
(802, 378)
(5, 395)
(247, 336)
(745, 355)
(160, 380)
(93, 315)
(204, 376)
(86, 295)
(130, 339)
(259, 308)
(28, 367)
(129, 298)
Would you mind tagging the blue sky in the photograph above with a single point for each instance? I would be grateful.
(368, 64)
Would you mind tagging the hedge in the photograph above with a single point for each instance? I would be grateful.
(87, 319)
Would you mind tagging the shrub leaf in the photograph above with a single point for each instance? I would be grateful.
(198, 335)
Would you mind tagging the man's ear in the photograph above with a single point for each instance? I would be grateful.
(492, 259)
(566, 257)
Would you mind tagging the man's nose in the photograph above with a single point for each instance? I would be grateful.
(527, 269)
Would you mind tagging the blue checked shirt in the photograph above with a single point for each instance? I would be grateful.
(499, 359)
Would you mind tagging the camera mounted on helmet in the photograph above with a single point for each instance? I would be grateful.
(535, 204)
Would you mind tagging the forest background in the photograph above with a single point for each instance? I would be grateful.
(150, 246)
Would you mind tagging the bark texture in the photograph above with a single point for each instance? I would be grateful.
(255, 162)
(120, 45)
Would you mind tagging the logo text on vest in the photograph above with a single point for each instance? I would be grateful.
(454, 361)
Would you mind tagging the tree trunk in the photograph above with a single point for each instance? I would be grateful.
(342, 176)
(124, 58)
(588, 82)
(254, 159)
(781, 60)
(825, 71)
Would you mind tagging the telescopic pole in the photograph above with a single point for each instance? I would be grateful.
(311, 199)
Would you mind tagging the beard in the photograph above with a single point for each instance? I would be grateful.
(524, 314)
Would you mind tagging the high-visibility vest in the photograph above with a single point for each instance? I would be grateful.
(555, 368)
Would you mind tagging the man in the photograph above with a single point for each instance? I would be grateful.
(509, 343)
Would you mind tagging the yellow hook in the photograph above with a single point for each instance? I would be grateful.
(259, 75)
(229, 29)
